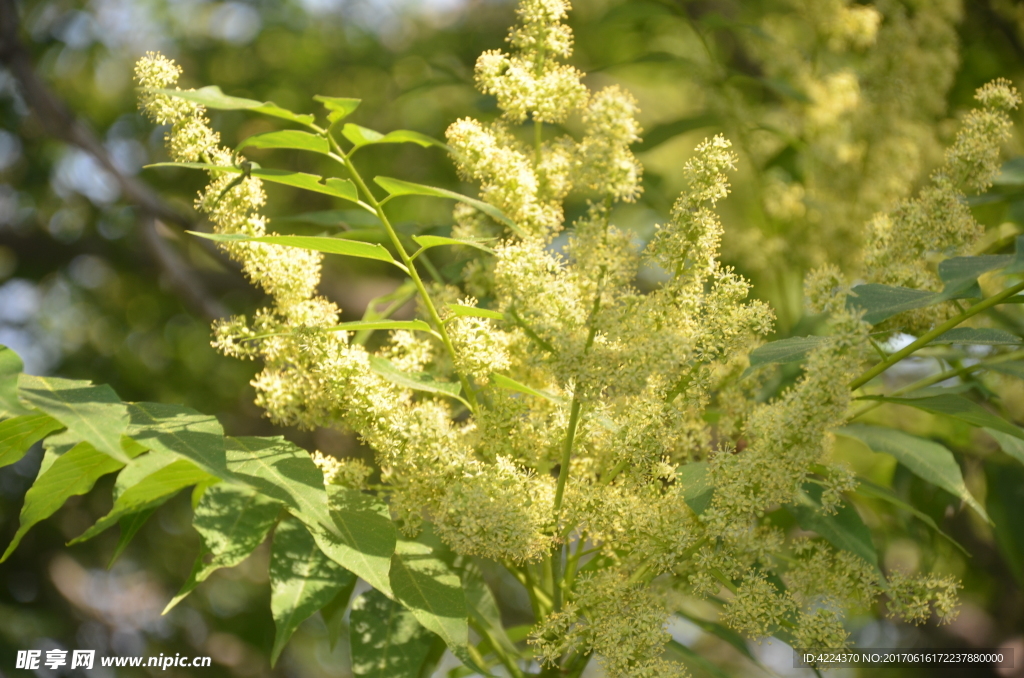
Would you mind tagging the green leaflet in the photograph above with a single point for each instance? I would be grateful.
(233, 521)
(180, 431)
(130, 526)
(338, 108)
(213, 97)
(928, 460)
(139, 468)
(349, 248)
(355, 531)
(433, 593)
(386, 639)
(1012, 445)
(884, 301)
(93, 413)
(67, 475)
(694, 483)
(502, 381)
(288, 138)
(845, 530)
(151, 491)
(419, 381)
(22, 432)
(396, 188)
(694, 660)
(866, 488)
(352, 218)
(986, 336)
(784, 351)
(1006, 504)
(381, 308)
(474, 312)
(958, 407)
(428, 241)
(333, 613)
(359, 325)
(332, 186)
(483, 608)
(364, 136)
(10, 367)
(302, 580)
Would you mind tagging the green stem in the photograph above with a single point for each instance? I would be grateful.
(420, 287)
(931, 335)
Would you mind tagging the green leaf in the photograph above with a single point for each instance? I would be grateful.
(360, 136)
(958, 407)
(957, 270)
(502, 381)
(302, 580)
(396, 188)
(985, 336)
(335, 219)
(151, 491)
(355, 530)
(881, 302)
(659, 134)
(182, 432)
(333, 613)
(1005, 502)
(694, 660)
(387, 641)
(68, 475)
(140, 468)
(339, 107)
(212, 97)
(10, 367)
(783, 351)
(428, 241)
(233, 521)
(1014, 368)
(382, 307)
(349, 248)
(338, 188)
(130, 526)
(845, 530)
(928, 460)
(474, 312)
(694, 483)
(359, 325)
(20, 433)
(722, 632)
(483, 608)
(1011, 445)
(866, 488)
(93, 413)
(288, 138)
(433, 593)
(419, 381)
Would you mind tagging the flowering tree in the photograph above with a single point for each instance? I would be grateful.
(612, 449)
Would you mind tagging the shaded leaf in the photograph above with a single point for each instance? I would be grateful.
(213, 97)
(928, 460)
(387, 641)
(659, 134)
(866, 488)
(130, 526)
(396, 187)
(288, 138)
(783, 351)
(20, 433)
(349, 248)
(986, 336)
(93, 413)
(433, 593)
(845, 530)
(302, 580)
(958, 269)
(333, 613)
(70, 474)
(694, 660)
(884, 301)
(333, 219)
(1014, 368)
(355, 530)
(180, 431)
(1011, 445)
(232, 521)
(150, 492)
(1005, 502)
(958, 407)
(694, 483)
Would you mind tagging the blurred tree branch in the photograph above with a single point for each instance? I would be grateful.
(60, 122)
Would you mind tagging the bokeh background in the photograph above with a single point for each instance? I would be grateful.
(99, 281)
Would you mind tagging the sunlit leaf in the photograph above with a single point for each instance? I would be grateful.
(213, 97)
(419, 381)
(180, 431)
(288, 138)
(502, 381)
(475, 312)
(338, 108)
(396, 187)
(10, 367)
(18, 434)
(349, 248)
(386, 639)
(428, 241)
(332, 186)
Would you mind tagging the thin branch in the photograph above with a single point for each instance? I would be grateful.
(60, 122)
